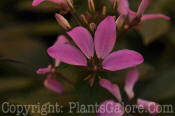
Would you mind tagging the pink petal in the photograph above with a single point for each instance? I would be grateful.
(143, 6)
(68, 54)
(57, 62)
(154, 16)
(62, 39)
(44, 70)
(122, 59)
(110, 108)
(83, 39)
(123, 7)
(130, 81)
(37, 2)
(60, 2)
(132, 15)
(53, 85)
(112, 88)
(152, 107)
(105, 37)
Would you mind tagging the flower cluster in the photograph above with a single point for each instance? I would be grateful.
(96, 53)
(131, 79)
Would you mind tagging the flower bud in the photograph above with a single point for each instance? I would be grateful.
(120, 21)
(92, 26)
(70, 3)
(91, 5)
(63, 22)
(115, 3)
(104, 11)
(83, 18)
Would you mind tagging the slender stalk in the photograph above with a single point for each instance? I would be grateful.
(65, 78)
(18, 62)
(75, 17)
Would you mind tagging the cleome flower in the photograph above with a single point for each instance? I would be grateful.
(139, 16)
(118, 108)
(102, 45)
(50, 81)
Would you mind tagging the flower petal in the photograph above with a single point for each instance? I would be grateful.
(143, 6)
(62, 39)
(44, 70)
(122, 59)
(105, 37)
(130, 81)
(112, 88)
(123, 7)
(132, 15)
(68, 54)
(53, 85)
(105, 109)
(37, 2)
(154, 16)
(152, 107)
(83, 39)
(60, 2)
(57, 62)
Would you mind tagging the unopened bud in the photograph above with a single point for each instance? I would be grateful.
(70, 3)
(114, 17)
(63, 22)
(104, 11)
(91, 5)
(92, 26)
(115, 4)
(83, 18)
(120, 21)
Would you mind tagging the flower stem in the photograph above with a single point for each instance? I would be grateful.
(18, 62)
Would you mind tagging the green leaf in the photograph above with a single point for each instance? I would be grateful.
(161, 88)
(151, 30)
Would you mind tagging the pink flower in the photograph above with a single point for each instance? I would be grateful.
(103, 43)
(151, 107)
(112, 88)
(61, 3)
(131, 79)
(50, 81)
(124, 10)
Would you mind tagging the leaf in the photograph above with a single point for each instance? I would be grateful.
(162, 88)
(151, 30)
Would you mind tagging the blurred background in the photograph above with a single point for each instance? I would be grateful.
(26, 32)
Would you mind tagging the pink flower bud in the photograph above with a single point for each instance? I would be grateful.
(62, 21)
